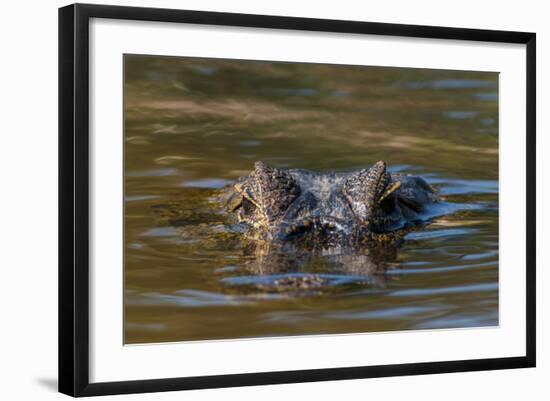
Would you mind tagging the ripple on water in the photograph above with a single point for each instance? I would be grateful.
(137, 198)
(278, 280)
(389, 313)
(461, 115)
(160, 232)
(188, 298)
(212, 183)
(435, 270)
(450, 84)
(448, 186)
(443, 208)
(414, 292)
(250, 143)
(300, 92)
(204, 69)
(461, 321)
(227, 269)
(144, 326)
(399, 168)
(248, 156)
(488, 96)
(445, 233)
(487, 121)
(161, 172)
(478, 256)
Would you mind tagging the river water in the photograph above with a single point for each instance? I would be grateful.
(193, 126)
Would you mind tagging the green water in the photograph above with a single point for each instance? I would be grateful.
(193, 126)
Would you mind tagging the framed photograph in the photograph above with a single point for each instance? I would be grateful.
(250, 199)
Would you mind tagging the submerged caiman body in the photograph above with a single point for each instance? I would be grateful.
(329, 210)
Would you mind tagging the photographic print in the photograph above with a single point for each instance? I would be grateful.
(254, 199)
(271, 198)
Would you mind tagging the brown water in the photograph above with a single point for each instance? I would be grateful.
(193, 126)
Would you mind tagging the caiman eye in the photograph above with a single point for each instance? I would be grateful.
(388, 204)
(388, 200)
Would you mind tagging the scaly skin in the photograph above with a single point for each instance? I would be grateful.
(325, 210)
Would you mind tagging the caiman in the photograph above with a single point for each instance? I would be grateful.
(292, 222)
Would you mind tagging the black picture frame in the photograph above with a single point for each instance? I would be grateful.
(74, 198)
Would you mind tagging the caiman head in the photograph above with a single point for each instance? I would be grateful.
(321, 209)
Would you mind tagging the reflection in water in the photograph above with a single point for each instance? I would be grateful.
(289, 268)
(196, 125)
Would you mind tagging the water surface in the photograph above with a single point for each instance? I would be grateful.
(193, 126)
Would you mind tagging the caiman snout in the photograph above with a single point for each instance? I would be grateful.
(325, 227)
